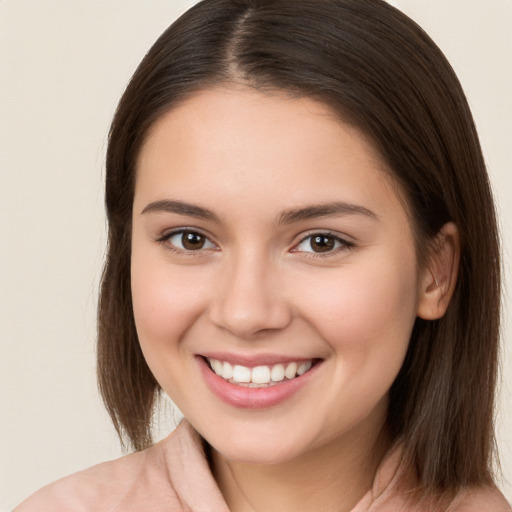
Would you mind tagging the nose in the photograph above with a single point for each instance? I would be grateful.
(250, 298)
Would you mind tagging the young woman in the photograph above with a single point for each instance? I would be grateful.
(303, 255)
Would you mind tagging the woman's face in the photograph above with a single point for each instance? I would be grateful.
(269, 241)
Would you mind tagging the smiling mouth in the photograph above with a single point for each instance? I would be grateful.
(260, 376)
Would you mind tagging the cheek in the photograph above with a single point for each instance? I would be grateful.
(166, 302)
(366, 312)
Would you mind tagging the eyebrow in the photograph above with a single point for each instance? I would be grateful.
(181, 208)
(324, 210)
(286, 217)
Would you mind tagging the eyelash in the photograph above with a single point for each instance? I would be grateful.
(165, 240)
(340, 244)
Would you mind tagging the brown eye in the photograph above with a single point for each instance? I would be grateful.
(322, 243)
(192, 241)
(187, 240)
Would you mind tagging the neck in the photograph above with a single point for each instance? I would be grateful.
(331, 478)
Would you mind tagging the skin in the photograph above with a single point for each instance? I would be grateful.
(258, 287)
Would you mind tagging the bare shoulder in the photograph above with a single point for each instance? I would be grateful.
(480, 499)
(98, 488)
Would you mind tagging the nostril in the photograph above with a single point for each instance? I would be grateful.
(250, 319)
(248, 299)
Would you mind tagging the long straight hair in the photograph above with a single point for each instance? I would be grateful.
(375, 68)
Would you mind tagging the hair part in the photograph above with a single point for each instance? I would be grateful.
(376, 69)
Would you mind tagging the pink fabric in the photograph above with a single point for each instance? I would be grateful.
(173, 476)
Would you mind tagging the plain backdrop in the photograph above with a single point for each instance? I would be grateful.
(63, 67)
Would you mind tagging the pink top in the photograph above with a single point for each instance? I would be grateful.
(174, 476)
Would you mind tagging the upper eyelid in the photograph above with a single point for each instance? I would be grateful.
(339, 236)
(174, 231)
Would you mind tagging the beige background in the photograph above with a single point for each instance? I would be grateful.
(63, 66)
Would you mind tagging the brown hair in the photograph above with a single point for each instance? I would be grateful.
(378, 70)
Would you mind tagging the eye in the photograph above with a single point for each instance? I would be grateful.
(188, 240)
(321, 243)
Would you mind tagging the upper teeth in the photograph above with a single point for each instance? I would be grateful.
(259, 374)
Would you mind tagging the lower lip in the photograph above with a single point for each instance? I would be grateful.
(253, 398)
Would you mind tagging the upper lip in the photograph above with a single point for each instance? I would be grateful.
(252, 360)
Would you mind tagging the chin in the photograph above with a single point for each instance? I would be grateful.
(253, 446)
(255, 453)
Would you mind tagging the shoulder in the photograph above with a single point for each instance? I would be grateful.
(106, 486)
(480, 499)
(103, 484)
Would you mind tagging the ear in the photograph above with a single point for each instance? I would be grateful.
(440, 275)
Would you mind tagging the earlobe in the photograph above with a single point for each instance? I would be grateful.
(440, 276)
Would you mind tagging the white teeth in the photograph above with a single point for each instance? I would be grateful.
(277, 373)
(291, 370)
(303, 367)
(241, 373)
(227, 370)
(217, 367)
(259, 376)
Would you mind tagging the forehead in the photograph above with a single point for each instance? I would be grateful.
(245, 146)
